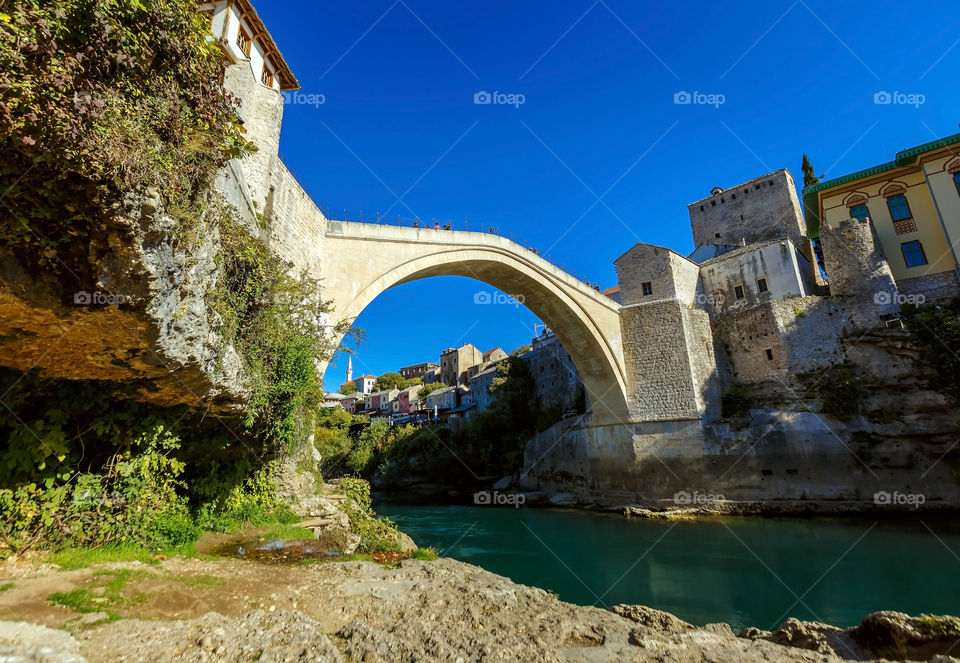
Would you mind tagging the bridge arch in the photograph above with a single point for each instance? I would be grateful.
(364, 260)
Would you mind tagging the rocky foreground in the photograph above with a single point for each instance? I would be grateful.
(184, 609)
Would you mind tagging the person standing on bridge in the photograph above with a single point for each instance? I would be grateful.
(436, 225)
(416, 224)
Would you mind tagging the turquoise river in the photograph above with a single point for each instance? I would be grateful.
(743, 571)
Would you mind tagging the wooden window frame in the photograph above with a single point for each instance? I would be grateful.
(646, 288)
(742, 294)
(765, 287)
(244, 41)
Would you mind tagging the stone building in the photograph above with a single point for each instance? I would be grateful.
(455, 364)
(758, 210)
(236, 27)
(556, 378)
(418, 370)
(480, 387)
(749, 275)
(442, 399)
(913, 205)
(490, 358)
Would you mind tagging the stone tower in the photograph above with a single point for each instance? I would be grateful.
(857, 268)
(349, 369)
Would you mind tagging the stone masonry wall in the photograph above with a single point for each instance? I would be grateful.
(703, 364)
(802, 334)
(658, 363)
(938, 287)
(858, 270)
(296, 227)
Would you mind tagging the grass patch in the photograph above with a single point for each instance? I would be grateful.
(87, 600)
(81, 558)
(79, 600)
(5, 587)
(285, 532)
(425, 554)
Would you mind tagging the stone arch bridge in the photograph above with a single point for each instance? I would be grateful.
(363, 260)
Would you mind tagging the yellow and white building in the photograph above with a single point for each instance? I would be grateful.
(913, 203)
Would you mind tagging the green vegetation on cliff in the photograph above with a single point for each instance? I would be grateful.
(100, 99)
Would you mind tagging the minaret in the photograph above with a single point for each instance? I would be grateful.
(349, 369)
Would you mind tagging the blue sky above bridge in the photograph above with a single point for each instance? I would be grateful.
(597, 154)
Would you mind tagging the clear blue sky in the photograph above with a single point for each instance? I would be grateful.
(598, 119)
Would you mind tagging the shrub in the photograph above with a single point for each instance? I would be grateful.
(936, 330)
(735, 403)
(838, 388)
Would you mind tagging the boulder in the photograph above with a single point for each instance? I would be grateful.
(899, 636)
(658, 620)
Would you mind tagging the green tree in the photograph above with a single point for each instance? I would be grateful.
(809, 178)
(516, 352)
(390, 381)
(348, 388)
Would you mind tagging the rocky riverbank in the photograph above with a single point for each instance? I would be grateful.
(188, 609)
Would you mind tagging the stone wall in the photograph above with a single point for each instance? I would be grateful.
(656, 348)
(858, 270)
(295, 226)
(795, 460)
(758, 210)
(801, 334)
(939, 287)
